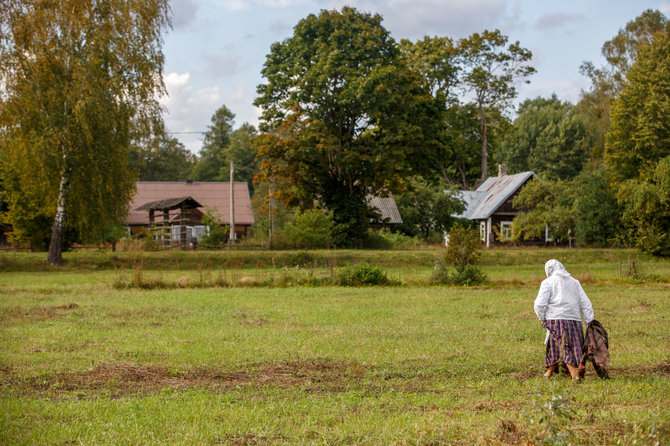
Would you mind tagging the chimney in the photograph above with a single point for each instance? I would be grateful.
(189, 180)
(502, 170)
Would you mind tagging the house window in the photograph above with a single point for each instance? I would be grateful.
(505, 231)
(200, 232)
(482, 230)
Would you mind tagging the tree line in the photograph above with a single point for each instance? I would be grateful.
(347, 112)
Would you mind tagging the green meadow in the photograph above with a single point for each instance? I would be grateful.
(220, 354)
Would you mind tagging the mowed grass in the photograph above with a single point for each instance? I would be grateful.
(82, 361)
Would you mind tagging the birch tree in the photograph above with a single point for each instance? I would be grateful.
(79, 81)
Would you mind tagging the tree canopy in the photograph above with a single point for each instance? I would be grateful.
(222, 145)
(547, 138)
(211, 157)
(343, 116)
(80, 81)
(490, 68)
(620, 52)
(637, 149)
(163, 158)
(640, 130)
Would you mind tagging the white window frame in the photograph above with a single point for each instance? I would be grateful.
(482, 231)
(506, 231)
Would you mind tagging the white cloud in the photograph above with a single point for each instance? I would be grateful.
(416, 18)
(183, 12)
(565, 89)
(225, 62)
(188, 110)
(664, 7)
(551, 22)
(236, 5)
(247, 5)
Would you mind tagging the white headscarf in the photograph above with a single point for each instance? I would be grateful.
(553, 266)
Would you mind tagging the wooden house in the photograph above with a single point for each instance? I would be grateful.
(166, 199)
(491, 205)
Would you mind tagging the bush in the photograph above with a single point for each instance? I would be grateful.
(385, 239)
(462, 254)
(217, 234)
(361, 274)
(311, 229)
(469, 276)
(464, 247)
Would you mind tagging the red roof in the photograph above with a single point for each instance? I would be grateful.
(212, 195)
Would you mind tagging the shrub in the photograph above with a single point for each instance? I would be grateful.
(462, 254)
(385, 239)
(469, 276)
(311, 229)
(217, 235)
(464, 247)
(361, 274)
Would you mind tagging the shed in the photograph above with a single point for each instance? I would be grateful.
(181, 222)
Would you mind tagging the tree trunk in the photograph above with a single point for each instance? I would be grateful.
(55, 256)
(485, 153)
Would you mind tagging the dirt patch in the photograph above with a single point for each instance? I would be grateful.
(508, 432)
(123, 378)
(38, 313)
(524, 376)
(251, 439)
(660, 369)
(317, 375)
(248, 317)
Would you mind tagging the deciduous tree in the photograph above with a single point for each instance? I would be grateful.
(343, 116)
(242, 153)
(427, 209)
(490, 69)
(80, 81)
(544, 204)
(607, 81)
(640, 130)
(637, 149)
(597, 213)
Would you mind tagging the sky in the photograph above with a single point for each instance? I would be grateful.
(216, 49)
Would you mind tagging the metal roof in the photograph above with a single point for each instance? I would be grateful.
(471, 199)
(483, 202)
(386, 207)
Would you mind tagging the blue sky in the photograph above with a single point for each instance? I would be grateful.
(216, 49)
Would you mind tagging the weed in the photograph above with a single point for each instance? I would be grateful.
(551, 418)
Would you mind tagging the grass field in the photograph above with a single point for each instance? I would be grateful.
(85, 361)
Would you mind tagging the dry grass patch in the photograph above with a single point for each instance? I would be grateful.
(126, 378)
(39, 313)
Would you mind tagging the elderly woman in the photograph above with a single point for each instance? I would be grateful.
(558, 305)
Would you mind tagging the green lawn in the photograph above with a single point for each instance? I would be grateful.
(83, 361)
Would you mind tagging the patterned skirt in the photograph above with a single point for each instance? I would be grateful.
(565, 342)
